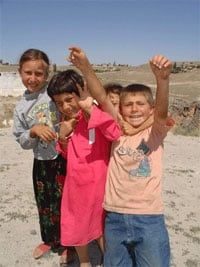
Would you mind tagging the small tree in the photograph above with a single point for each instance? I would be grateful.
(175, 68)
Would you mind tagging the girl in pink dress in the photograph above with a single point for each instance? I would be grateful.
(85, 141)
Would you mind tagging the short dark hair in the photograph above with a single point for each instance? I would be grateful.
(138, 88)
(65, 82)
(113, 88)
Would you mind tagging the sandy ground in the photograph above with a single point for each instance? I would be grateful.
(19, 228)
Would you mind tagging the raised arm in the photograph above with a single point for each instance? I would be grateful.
(78, 57)
(161, 68)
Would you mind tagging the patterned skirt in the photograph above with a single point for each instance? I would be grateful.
(48, 182)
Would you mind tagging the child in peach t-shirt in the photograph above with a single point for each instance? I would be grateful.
(135, 231)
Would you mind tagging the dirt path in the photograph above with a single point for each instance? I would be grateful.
(18, 215)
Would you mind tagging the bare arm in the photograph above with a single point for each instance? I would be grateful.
(161, 68)
(128, 129)
(80, 60)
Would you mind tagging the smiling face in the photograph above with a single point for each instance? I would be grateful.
(134, 108)
(34, 74)
(67, 105)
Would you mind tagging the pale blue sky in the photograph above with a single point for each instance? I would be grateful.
(120, 31)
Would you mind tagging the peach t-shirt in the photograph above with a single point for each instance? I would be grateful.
(133, 183)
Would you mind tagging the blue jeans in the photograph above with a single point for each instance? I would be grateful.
(136, 241)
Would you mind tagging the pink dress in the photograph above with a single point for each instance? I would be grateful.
(88, 153)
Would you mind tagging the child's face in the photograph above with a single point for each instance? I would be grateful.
(135, 109)
(33, 74)
(67, 104)
(114, 98)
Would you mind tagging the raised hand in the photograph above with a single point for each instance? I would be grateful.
(85, 100)
(78, 57)
(161, 66)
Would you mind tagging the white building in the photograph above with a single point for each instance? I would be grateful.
(11, 84)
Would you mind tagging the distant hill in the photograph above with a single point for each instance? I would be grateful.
(188, 65)
(184, 90)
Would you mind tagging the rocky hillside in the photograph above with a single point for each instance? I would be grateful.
(187, 117)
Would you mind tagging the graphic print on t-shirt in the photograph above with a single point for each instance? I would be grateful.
(138, 160)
